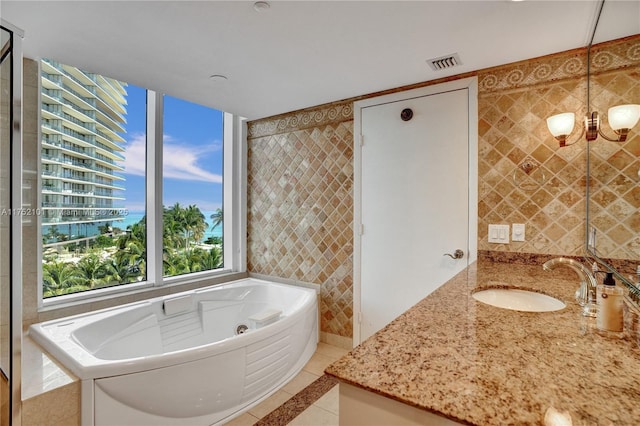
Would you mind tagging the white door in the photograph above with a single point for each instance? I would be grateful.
(414, 202)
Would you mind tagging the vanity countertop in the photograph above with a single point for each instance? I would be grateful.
(482, 365)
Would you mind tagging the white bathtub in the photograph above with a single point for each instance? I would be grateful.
(179, 360)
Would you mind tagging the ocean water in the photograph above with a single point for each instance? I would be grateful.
(135, 216)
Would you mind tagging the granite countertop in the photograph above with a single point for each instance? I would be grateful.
(482, 365)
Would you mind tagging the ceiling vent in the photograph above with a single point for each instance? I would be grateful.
(444, 62)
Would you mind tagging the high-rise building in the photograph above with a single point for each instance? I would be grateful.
(83, 115)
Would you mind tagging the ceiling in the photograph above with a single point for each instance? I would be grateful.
(298, 54)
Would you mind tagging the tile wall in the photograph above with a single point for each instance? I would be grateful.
(514, 102)
(300, 173)
(300, 205)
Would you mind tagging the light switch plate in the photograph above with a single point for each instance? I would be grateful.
(499, 234)
(517, 232)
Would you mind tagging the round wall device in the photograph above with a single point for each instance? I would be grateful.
(406, 114)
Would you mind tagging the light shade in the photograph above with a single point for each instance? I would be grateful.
(623, 116)
(561, 124)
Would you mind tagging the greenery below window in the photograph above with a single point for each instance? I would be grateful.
(118, 256)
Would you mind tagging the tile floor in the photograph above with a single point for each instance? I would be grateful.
(323, 411)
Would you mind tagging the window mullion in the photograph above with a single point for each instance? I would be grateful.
(235, 187)
(154, 187)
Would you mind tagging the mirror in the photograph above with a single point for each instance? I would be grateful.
(613, 168)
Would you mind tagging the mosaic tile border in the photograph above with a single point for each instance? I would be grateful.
(533, 72)
(304, 119)
(561, 66)
(617, 54)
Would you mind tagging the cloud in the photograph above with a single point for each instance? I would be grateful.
(180, 161)
(135, 155)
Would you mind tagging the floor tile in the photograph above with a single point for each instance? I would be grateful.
(329, 401)
(331, 351)
(315, 416)
(301, 381)
(318, 363)
(270, 404)
(245, 419)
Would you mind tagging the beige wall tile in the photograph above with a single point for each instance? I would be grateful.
(52, 408)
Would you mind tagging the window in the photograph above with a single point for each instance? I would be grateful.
(192, 187)
(103, 194)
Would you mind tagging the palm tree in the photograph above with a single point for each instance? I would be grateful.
(174, 264)
(194, 224)
(139, 230)
(57, 277)
(172, 231)
(125, 238)
(204, 260)
(217, 218)
(122, 271)
(134, 255)
(105, 229)
(92, 269)
(211, 259)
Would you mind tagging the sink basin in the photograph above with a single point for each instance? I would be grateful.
(518, 300)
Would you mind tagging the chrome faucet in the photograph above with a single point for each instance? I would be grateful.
(586, 293)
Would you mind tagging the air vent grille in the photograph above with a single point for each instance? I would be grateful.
(444, 62)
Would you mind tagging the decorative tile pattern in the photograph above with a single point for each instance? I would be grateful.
(305, 119)
(549, 200)
(514, 102)
(300, 213)
(547, 69)
(615, 55)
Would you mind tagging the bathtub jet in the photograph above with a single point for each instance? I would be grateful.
(196, 358)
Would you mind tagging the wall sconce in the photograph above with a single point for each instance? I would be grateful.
(621, 119)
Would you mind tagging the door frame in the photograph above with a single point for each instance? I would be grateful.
(16, 222)
(471, 84)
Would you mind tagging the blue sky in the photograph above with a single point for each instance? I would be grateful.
(192, 153)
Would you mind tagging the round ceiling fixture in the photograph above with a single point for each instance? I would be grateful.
(261, 6)
(218, 77)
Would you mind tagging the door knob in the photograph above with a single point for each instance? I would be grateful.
(458, 254)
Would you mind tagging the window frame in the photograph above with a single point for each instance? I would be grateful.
(234, 223)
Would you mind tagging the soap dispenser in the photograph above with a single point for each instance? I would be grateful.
(609, 299)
